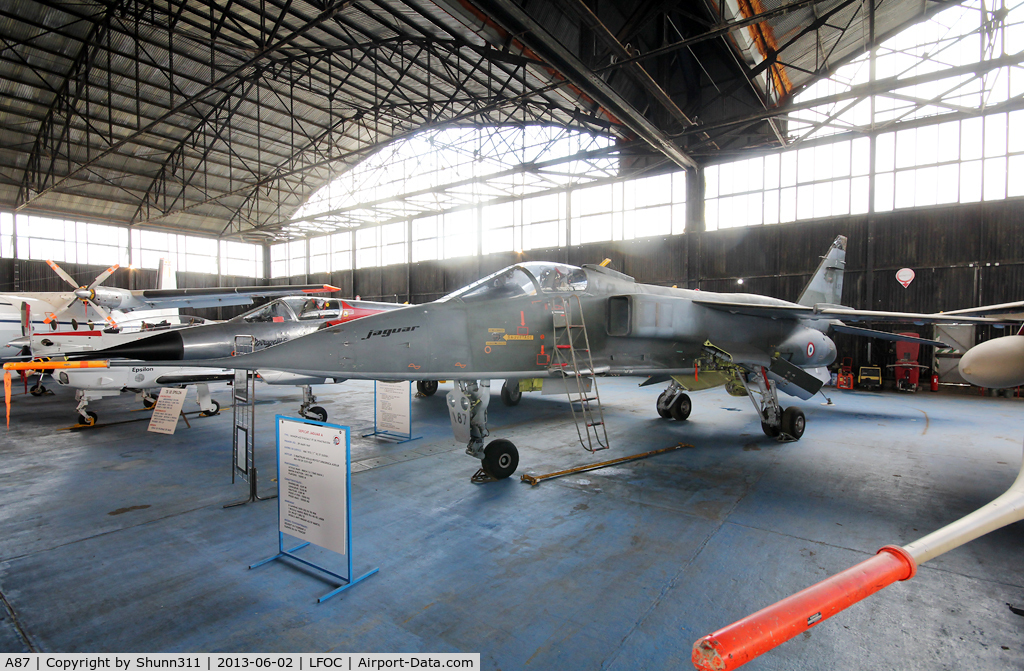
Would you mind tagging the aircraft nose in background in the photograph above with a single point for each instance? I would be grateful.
(995, 364)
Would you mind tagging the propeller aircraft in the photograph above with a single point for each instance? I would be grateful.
(89, 305)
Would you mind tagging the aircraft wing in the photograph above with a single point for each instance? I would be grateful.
(1013, 311)
(219, 296)
(846, 314)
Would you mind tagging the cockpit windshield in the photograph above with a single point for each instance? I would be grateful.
(557, 276)
(524, 279)
(316, 308)
(274, 311)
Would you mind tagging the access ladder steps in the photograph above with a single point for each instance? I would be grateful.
(571, 349)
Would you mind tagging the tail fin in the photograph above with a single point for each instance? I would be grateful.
(827, 284)
(166, 277)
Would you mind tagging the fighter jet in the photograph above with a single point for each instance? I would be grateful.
(85, 306)
(551, 320)
(270, 324)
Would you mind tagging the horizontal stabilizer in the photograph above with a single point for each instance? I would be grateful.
(822, 311)
(884, 335)
(796, 376)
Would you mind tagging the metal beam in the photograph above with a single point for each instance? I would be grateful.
(332, 9)
(518, 22)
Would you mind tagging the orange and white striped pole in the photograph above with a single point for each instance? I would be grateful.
(41, 365)
(754, 635)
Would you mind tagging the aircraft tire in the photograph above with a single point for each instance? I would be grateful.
(37, 390)
(501, 458)
(681, 407)
(211, 413)
(147, 404)
(317, 413)
(89, 418)
(771, 431)
(427, 387)
(793, 422)
(511, 396)
(663, 405)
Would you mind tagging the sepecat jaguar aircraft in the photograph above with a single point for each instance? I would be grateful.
(540, 320)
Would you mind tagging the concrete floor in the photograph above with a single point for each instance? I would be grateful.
(113, 539)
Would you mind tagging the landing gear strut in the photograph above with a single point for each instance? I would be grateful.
(673, 403)
(85, 416)
(207, 406)
(467, 407)
(308, 409)
(785, 424)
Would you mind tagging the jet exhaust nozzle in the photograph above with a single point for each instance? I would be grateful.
(164, 346)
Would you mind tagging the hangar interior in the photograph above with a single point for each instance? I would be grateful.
(402, 149)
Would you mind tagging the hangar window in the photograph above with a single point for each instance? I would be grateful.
(288, 258)
(70, 241)
(461, 190)
(241, 259)
(926, 152)
(329, 253)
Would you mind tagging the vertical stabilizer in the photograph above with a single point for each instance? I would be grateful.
(827, 284)
(166, 277)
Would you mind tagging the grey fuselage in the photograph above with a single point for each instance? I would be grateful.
(211, 341)
(633, 329)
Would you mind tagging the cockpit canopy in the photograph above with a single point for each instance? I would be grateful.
(293, 308)
(524, 279)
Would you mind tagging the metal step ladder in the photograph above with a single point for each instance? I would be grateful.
(572, 359)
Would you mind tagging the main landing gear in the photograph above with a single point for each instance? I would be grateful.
(510, 393)
(308, 409)
(426, 387)
(674, 403)
(788, 424)
(467, 407)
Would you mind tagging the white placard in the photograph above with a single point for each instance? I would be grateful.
(392, 404)
(167, 410)
(312, 464)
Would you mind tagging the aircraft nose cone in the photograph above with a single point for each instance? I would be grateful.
(995, 364)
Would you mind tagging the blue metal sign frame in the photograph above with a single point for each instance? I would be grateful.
(290, 553)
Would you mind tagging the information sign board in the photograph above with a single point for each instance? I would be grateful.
(167, 409)
(393, 402)
(313, 472)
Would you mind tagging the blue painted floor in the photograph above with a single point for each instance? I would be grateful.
(114, 539)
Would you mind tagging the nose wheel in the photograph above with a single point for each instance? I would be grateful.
(308, 409)
(501, 458)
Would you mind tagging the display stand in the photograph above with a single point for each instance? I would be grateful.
(392, 412)
(316, 504)
(243, 437)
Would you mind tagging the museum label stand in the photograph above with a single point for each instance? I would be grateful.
(392, 412)
(314, 503)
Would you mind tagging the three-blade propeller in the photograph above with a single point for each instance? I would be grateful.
(86, 294)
